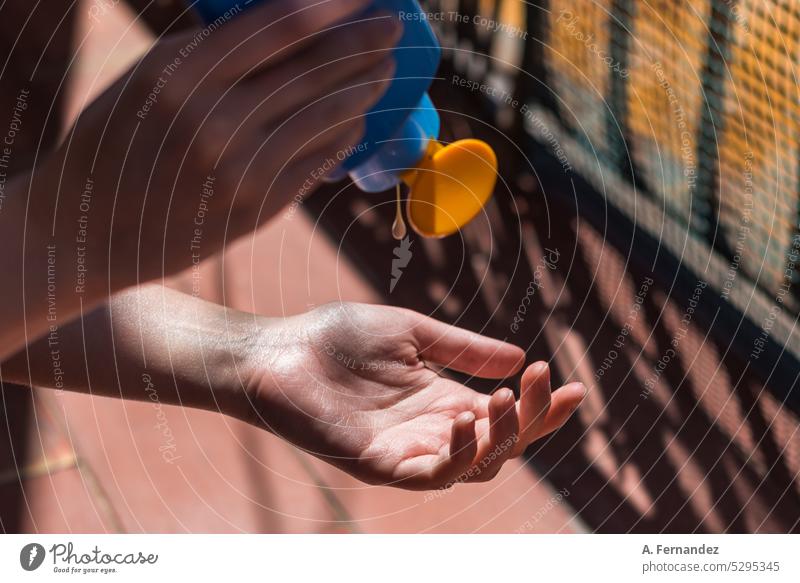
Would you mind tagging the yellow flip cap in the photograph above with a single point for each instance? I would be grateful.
(450, 186)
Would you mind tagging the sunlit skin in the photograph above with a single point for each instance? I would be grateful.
(359, 386)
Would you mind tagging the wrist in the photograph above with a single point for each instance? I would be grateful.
(270, 353)
(197, 353)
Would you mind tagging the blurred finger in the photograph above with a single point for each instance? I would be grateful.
(272, 32)
(295, 179)
(306, 149)
(328, 65)
(310, 158)
(534, 399)
(313, 124)
(342, 105)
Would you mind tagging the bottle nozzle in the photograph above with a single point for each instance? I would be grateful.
(450, 186)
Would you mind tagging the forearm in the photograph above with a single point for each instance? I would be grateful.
(151, 343)
(37, 294)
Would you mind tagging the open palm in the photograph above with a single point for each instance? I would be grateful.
(359, 386)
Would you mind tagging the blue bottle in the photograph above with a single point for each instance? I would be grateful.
(448, 184)
(400, 126)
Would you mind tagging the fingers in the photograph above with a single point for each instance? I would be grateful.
(337, 107)
(540, 411)
(506, 439)
(564, 403)
(465, 351)
(297, 177)
(301, 112)
(297, 154)
(325, 67)
(463, 441)
(534, 400)
(468, 459)
(272, 32)
(452, 465)
(503, 433)
(473, 461)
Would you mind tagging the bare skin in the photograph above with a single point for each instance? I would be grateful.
(352, 384)
(257, 106)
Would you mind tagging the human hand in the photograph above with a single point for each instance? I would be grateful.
(208, 136)
(352, 384)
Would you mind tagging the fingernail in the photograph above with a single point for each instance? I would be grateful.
(583, 396)
(578, 389)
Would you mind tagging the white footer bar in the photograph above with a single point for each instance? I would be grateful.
(400, 558)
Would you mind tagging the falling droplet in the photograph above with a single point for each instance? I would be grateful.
(399, 225)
